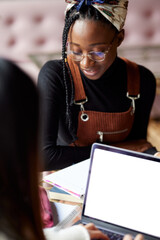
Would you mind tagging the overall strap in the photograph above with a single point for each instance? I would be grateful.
(78, 85)
(133, 78)
(133, 82)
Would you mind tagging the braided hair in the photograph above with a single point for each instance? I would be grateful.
(85, 12)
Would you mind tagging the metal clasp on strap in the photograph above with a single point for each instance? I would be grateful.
(84, 116)
(133, 98)
(82, 102)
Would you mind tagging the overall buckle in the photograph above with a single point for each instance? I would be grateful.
(84, 116)
(133, 98)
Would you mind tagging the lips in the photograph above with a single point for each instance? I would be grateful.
(90, 72)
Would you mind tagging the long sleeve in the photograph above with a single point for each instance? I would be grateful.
(56, 151)
(72, 233)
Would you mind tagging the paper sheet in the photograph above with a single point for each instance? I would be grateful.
(72, 179)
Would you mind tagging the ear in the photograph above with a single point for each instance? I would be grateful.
(120, 37)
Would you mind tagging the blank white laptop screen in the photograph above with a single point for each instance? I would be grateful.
(127, 190)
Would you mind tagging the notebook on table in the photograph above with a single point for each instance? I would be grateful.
(123, 192)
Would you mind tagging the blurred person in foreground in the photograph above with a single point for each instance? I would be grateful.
(20, 217)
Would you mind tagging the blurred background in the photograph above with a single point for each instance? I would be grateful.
(31, 34)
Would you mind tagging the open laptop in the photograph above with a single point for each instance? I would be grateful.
(123, 192)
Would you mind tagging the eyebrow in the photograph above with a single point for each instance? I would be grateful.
(94, 44)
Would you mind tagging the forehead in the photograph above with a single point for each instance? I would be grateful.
(89, 32)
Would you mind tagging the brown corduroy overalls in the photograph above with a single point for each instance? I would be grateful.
(105, 127)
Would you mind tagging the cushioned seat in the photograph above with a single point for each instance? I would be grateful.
(30, 27)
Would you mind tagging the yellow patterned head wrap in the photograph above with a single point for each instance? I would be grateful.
(114, 11)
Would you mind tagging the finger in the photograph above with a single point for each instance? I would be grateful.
(139, 237)
(96, 234)
(127, 237)
(90, 226)
(157, 154)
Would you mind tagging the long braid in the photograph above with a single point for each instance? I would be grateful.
(69, 87)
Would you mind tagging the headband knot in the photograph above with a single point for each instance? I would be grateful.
(79, 3)
(114, 11)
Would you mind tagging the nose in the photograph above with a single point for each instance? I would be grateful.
(86, 61)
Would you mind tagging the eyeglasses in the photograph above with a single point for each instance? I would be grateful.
(96, 56)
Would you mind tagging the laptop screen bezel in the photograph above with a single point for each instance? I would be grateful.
(101, 223)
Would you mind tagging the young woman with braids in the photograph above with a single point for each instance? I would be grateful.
(91, 94)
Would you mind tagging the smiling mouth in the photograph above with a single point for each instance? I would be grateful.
(89, 72)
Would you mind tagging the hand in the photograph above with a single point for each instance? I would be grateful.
(95, 233)
(129, 237)
(157, 154)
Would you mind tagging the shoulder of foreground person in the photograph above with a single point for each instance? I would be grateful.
(77, 232)
(51, 69)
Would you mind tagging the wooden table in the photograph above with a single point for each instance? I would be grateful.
(153, 135)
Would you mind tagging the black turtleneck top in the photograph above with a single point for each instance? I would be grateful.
(107, 94)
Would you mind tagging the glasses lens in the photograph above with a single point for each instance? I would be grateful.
(76, 56)
(97, 56)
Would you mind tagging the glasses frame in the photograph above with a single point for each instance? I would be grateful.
(70, 53)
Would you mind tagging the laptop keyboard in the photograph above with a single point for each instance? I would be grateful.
(112, 236)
